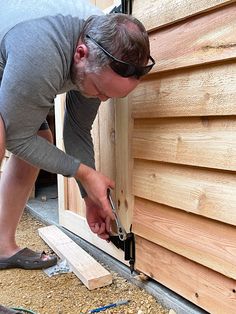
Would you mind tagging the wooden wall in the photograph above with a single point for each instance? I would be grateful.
(182, 127)
(170, 147)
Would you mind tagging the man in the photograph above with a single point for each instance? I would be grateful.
(92, 58)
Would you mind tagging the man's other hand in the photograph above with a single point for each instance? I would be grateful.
(98, 219)
(96, 185)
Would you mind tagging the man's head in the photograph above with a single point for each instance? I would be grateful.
(116, 45)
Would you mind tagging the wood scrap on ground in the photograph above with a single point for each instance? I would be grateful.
(86, 268)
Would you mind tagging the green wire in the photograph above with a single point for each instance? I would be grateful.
(24, 310)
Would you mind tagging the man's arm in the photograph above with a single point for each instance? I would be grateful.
(79, 117)
(31, 79)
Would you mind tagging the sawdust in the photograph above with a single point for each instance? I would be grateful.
(65, 294)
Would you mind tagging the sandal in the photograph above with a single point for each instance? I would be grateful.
(4, 310)
(28, 259)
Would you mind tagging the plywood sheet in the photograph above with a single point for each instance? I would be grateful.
(210, 243)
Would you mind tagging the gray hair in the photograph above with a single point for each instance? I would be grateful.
(121, 35)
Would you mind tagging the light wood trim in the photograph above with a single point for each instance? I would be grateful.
(203, 39)
(165, 12)
(59, 109)
(203, 192)
(85, 267)
(78, 225)
(124, 162)
(209, 90)
(200, 285)
(107, 138)
(75, 202)
(209, 243)
(204, 141)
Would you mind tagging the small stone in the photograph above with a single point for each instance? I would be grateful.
(171, 311)
(44, 198)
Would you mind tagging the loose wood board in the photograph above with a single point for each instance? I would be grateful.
(85, 267)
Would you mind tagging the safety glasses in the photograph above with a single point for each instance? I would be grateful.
(123, 68)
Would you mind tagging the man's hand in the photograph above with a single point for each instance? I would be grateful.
(98, 220)
(96, 186)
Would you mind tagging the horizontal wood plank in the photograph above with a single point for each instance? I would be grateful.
(85, 267)
(209, 243)
(204, 192)
(204, 141)
(165, 12)
(203, 39)
(209, 90)
(201, 285)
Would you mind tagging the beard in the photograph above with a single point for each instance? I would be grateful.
(78, 77)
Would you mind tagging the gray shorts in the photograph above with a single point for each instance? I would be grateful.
(44, 126)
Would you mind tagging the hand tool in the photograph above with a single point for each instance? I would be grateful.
(122, 240)
(120, 229)
(103, 308)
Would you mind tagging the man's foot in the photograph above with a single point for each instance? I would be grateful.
(28, 259)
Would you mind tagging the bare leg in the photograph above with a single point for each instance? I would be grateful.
(17, 180)
(2, 139)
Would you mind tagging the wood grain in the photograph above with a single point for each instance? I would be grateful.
(78, 225)
(107, 138)
(75, 203)
(85, 267)
(203, 192)
(124, 162)
(165, 12)
(203, 39)
(204, 141)
(204, 91)
(209, 243)
(204, 287)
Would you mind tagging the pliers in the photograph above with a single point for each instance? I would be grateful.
(120, 229)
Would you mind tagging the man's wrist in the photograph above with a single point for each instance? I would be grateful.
(82, 172)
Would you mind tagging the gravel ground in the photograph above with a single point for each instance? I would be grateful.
(65, 294)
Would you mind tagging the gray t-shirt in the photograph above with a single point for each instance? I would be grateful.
(36, 56)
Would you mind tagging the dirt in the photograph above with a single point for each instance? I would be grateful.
(64, 293)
